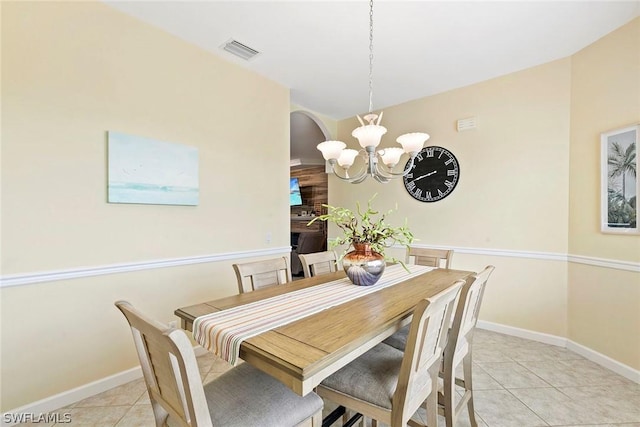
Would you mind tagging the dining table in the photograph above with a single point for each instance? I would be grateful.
(305, 351)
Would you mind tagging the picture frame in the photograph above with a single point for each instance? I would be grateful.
(151, 172)
(619, 180)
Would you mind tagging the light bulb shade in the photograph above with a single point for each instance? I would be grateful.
(369, 135)
(331, 149)
(347, 157)
(391, 156)
(412, 142)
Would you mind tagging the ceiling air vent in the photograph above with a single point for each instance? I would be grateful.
(239, 49)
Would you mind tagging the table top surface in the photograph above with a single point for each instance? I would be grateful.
(302, 353)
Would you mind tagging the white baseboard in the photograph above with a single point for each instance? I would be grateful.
(599, 358)
(605, 361)
(523, 333)
(77, 394)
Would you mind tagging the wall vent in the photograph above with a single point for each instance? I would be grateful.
(467, 124)
(239, 49)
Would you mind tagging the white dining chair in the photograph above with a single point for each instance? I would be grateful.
(432, 257)
(242, 397)
(318, 263)
(459, 350)
(388, 385)
(261, 274)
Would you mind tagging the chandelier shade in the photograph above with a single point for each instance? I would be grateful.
(347, 157)
(412, 142)
(391, 156)
(331, 149)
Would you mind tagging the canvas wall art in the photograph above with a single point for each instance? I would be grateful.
(619, 186)
(147, 171)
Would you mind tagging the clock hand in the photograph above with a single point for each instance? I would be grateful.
(424, 176)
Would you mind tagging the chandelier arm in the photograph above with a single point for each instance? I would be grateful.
(388, 173)
(360, 179)
(381, 178)
(354, 180)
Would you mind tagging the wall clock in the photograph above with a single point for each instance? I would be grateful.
(434, 175)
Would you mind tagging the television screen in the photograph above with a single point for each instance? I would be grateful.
(295, 198)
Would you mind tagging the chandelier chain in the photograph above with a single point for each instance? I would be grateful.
(370, 56)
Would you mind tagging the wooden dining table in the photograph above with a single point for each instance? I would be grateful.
(302, 353)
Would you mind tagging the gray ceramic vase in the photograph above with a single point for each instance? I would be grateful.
(363, 266)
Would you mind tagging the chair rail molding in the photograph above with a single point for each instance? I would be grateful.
(549, 256)
(73, 273)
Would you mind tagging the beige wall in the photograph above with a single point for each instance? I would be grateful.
(604, 304)
(513, 188)
(605, 95)
(71, 71)
(89, 69)
(529, 193)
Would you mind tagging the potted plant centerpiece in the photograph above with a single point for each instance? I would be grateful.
(369, 234)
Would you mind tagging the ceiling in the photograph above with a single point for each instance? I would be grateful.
(320, 49)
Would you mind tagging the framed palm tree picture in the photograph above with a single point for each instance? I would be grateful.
(619, 162)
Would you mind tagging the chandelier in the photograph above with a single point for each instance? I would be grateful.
(379, 165)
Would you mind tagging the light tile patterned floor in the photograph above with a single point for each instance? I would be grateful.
(518, 383)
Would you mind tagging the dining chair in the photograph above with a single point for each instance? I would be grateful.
(431, 257)
(459, 350)
(387, 385)
(261, 274)
(241, 397)
(318, 263)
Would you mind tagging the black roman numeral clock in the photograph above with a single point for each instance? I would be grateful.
(434, 175)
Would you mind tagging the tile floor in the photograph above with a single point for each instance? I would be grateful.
(518, 383)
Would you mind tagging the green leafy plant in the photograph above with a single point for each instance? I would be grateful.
(366, 226)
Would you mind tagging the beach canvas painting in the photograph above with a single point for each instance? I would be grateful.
(146, 171)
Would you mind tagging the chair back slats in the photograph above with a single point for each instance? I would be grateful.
(459, 350)
(432, 332)
(170, 370)
(317, 263)
(260, 274)
(425, 344)
(430, 257)
(170, 389)
(466, 315)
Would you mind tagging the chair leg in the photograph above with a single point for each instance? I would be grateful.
(468, 385)
(316, 420)
(448, 396)
(431, 404)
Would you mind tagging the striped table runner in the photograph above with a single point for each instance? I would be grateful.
(222, 332)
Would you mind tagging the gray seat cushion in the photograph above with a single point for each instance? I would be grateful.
(372, 377)
(246, 397)
(399, 339)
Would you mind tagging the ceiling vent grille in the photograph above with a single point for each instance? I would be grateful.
(239, 49)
